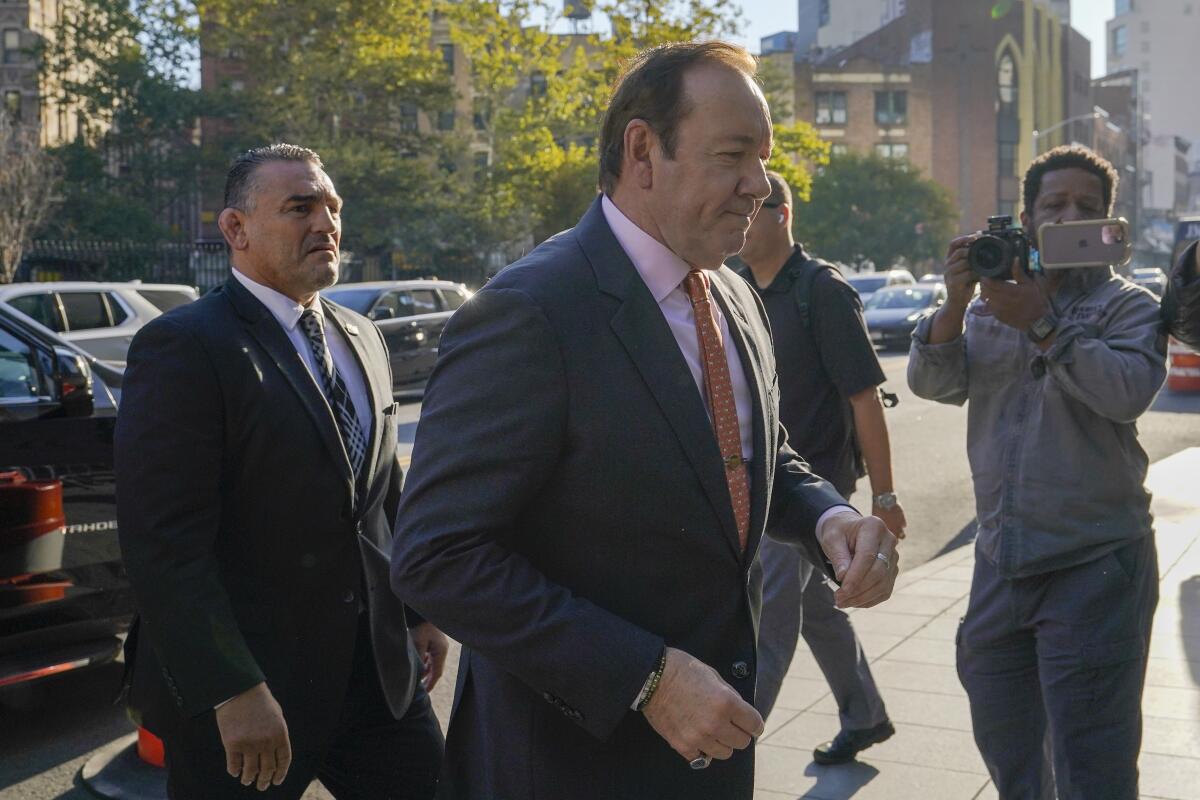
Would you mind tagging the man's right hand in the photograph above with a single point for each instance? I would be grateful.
(255, 738)
(959, 277)
(697, 712)
(960, 281)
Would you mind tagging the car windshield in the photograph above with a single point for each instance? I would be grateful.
(867, 283)
(359, 300)
(901, 298)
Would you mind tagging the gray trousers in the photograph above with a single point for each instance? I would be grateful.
(797, 601)
(1053, 666)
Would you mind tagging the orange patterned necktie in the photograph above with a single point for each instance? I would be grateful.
(721, 405)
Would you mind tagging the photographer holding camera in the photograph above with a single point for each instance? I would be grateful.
(1057, 368)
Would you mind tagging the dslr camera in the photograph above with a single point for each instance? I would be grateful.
(992, 254)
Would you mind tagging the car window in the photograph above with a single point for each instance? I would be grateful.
(867, 283)
(165, 299)
(399, 302)
(85, 310)
(901, 298)
(116, 309)
(359, 300)
(901, 279)
(453, 298)
(18, 376)
(41, 307)
(425, 301)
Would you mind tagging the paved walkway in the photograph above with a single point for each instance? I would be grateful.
(910, 639)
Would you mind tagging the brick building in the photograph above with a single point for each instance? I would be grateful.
(957, 87)
(22, 27)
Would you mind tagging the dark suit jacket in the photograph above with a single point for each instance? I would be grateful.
(1181, 302)
(566, 514)
(247, 545)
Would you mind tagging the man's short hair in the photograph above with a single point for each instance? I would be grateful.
(651, 89)
(239, 183)
(781, 193)
(1065, 157)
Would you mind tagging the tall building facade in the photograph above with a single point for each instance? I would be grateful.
(958, 90)
(1160, 39)
(25, 96)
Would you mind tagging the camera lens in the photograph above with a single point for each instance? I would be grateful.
(990, 257)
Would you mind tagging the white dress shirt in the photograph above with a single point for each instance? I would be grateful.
(663, 272)
(287, 312)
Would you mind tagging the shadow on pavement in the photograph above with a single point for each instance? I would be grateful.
(1177, 402)
(57, 720)
(844, 780)
(963, 537)
(1189, 609)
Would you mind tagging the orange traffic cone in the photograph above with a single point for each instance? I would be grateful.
(131, 768)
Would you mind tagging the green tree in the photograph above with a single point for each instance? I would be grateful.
(868, 208)
(122, 68)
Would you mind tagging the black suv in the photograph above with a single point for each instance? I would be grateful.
(64, 596)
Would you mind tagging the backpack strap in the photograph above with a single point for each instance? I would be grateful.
(805, 275)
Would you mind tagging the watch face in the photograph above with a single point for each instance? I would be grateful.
(886, 501)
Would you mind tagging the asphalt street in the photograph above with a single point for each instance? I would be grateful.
(48, 732)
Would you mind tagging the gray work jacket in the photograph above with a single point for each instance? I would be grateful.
(1052, 437)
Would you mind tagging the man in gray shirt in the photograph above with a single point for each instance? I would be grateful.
(1057, 368)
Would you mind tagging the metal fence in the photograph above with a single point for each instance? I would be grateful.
(203, 265)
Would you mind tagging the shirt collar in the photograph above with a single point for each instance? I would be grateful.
(660, 269)
(286, 310)
(783, 280)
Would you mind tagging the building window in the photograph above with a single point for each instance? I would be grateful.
(537, 85)
(1122, 7)
(408, 118)
(822, 13)
(448, 57)
(445, 120)
(891, 108)
(12, 46)
(237, 86)
(1119, 41)
(1008, 158)
(892, 149)
(838, 149)
(12, 104)
(481, 163)
(831, 108)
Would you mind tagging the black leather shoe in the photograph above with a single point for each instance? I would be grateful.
(847, 744)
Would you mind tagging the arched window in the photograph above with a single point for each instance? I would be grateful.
(1008, 131)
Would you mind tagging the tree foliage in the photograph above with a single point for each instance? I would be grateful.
(28, 185)
(122, 68)
(868, 208)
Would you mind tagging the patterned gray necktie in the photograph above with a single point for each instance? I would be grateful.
(335, 391)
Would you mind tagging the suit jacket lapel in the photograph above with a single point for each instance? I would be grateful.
(639, 324)
(751, 358)
(270, 335)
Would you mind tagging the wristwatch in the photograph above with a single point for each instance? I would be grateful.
(885, 500)
(1042, 328)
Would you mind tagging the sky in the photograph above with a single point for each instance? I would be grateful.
(764, 17)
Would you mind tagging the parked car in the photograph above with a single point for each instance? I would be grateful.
(411, 315)
(892, 313)
(102, 318)
(1151, 278)
(867, 283)
(64, 596)
(930, 277)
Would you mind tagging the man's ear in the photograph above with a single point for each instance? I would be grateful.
(785, 215)
(232, 223)
(640, 141)
(1026, 221)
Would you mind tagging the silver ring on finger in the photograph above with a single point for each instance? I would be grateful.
(887, 563)
(700, 762)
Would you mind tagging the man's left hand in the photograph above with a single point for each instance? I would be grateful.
(432, 645)
(863, 553)
(1018, 305)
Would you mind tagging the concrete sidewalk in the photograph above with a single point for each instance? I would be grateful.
(910, 640)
